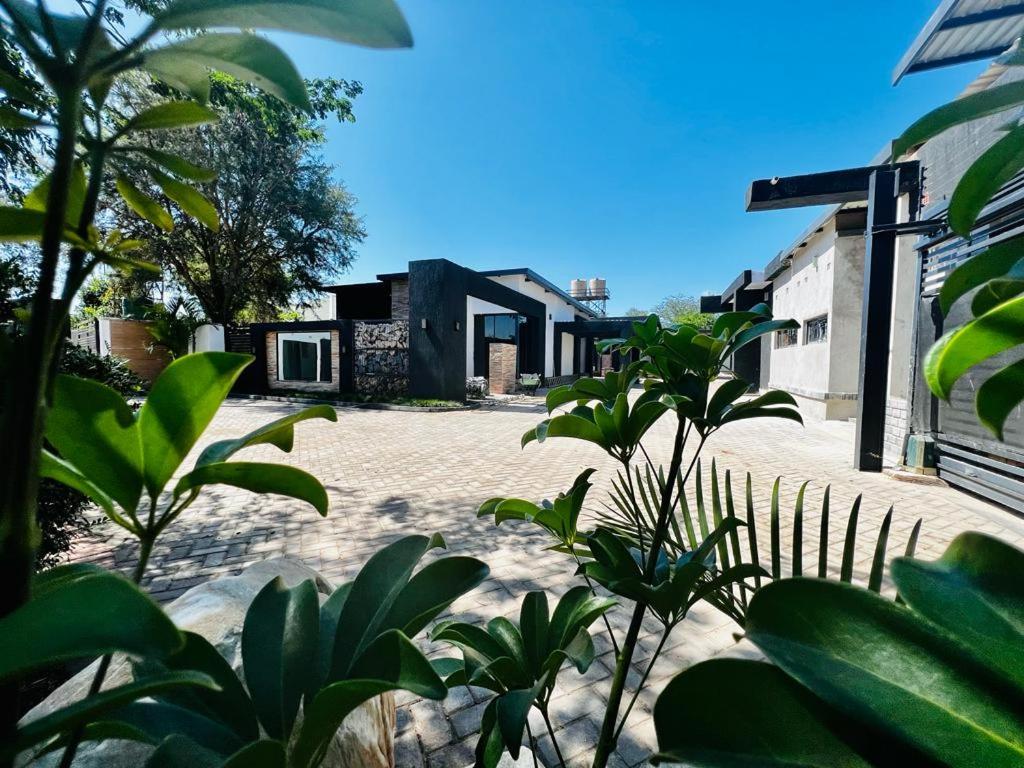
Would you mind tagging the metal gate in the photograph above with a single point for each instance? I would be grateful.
(968, 456)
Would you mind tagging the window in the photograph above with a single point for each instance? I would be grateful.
(816, 330)
(304, 356)
(787, 337)
(500, 327)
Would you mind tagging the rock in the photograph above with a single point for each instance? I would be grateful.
(216, 610)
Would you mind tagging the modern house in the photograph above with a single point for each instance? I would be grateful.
(424, 331)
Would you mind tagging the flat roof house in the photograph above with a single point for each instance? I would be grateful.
(423, 332)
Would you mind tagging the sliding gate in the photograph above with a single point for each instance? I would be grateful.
(968, 456)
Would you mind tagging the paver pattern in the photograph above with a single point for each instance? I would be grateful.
(391, 473)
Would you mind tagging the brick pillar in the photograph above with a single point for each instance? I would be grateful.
(501, 368)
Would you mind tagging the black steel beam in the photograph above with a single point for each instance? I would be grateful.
(832, 187)
(876, 320)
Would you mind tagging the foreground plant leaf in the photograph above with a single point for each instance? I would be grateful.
(180, 406)
(975, 591)
(879, 664)
(734, 712)
(92, 614)
(373, 23)
(960, 350)
(279, 643)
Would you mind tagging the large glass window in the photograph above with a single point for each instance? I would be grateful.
(304, 356)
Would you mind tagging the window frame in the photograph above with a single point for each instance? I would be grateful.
(306, 337)
(787, 333)
(817, 320)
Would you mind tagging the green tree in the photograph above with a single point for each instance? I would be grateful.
(286, 227)
(680, 309)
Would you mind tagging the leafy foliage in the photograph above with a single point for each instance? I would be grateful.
(520, 663)
(324, 660)
(995, 277)
(676, 366)
(277, 225)
(705, 511)
(859, 680)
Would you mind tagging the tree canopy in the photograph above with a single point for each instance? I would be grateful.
(286, 227)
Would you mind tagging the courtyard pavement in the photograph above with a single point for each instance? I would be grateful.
(392, 473)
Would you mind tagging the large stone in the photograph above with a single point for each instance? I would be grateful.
(216, 610)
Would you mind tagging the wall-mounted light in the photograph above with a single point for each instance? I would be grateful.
(344, 349)
(458, 326)
(550, 316)
(423, 323)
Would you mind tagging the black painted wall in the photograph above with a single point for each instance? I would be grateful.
(438, 289)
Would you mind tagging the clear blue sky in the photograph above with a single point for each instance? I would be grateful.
(613, 138)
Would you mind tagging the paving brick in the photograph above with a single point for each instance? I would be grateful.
(391, 473)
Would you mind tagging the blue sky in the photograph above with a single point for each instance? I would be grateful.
(614, 139)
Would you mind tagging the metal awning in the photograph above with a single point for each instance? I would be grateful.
(963, 30)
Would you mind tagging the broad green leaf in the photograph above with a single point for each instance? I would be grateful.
(279, 644)
(734, 712)
(144, 205)
(512, 710)
(373, 593)
(190, 200)
(38, 197)
(279, 433)
(993, 262)
(62, 32)
(100, 731)
(878, 663)
(976, 593)
(94, 429)
(170, 114)
(185, 75)
(372, 23)
(986, 175)
(389, 663)
(436, 586)
(260, 754)
(177, 165)
(997, 398)
(86, 617)
(511, 641)
(489, 747)
(988, 102)
(960, 350)
(97, 706)
(994, 293)
(181, 403)
(177, 751)
(229, 705)
(533, 623)
(258, 478)
(20, 225)
(160, 719)
(248, 57)
(57, 469)
(567, 425)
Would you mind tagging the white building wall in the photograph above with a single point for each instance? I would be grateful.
(558, 310)
(325, 308)
(568, 341)
(824, 278)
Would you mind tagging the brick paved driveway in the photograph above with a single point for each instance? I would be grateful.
(391, 473)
